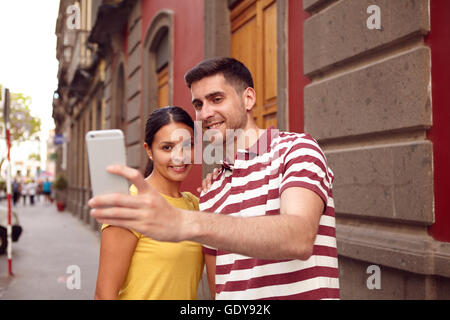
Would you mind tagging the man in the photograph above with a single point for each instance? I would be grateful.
(16, 191)
(47, 190)
(24, 191)
(272, 235)
(32, 190)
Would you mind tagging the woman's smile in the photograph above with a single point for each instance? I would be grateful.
(179, 168)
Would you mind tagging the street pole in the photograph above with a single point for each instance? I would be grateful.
(6, 102)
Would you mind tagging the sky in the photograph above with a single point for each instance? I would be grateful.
(28, 62)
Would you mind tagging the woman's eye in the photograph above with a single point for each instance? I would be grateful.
(166, 148)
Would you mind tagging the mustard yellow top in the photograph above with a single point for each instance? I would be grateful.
(164, 270)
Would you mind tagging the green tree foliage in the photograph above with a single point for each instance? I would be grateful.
(60, 182)
(35, 156)
(23, 125)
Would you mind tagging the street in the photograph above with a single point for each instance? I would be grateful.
(54, 251)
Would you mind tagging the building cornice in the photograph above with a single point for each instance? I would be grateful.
(410, 249)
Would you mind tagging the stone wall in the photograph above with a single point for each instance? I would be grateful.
(134, 121)
(369, 106)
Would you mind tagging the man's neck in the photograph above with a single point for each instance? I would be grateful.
(243, 139)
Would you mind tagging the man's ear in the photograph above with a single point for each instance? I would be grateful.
(249, 96)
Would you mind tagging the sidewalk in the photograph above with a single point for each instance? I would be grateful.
(51, 241)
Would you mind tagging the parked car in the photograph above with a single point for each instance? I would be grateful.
(16, 228)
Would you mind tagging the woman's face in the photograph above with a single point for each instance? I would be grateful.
(172, 151)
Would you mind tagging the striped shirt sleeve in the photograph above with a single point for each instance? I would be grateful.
(209, 250)
(305, 166)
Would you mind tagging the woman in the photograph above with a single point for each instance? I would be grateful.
(133, 266)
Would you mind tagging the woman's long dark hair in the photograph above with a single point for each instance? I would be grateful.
(158, 119)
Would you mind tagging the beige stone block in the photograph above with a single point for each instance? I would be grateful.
(108, 108)
(443, 288)
(107, 91)
(133, 108)
(310, 4)
(133, 132)
(134, 60)
(392, 94)
(108, 72)
(340, 32)
(216, 29)
(392, 182)
(134, 37)
(133, 155)
(134, 84)
(135, 15)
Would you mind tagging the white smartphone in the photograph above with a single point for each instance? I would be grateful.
(106, 147)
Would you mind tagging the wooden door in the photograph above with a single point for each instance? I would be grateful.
(254, 42)
(163, 87)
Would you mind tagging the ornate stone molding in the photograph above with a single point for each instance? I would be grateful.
(407, 248)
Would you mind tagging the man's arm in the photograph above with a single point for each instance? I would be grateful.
(288, 235)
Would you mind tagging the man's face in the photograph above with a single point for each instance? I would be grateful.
(218, 106)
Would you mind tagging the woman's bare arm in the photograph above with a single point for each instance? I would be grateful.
(116, 250)
(210, 262)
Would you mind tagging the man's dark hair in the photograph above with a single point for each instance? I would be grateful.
(234, 72)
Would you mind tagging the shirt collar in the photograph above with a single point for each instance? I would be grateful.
(260, 147)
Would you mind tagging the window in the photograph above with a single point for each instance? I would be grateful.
(162, 68)
(118, 112)
(254, 42)
(157, 62)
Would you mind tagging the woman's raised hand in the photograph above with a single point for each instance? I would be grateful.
(148, 212)
(206, 183)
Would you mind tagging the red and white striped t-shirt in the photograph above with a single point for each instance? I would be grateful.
(252, 186)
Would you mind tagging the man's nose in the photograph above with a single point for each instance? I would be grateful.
(205, 113)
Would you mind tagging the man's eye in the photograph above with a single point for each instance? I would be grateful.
(217, 99)
(197, 106)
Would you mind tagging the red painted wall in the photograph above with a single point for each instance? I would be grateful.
(439, 134)
(188, 51)
(297, 81)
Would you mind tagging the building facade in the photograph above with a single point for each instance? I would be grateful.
(365, 78)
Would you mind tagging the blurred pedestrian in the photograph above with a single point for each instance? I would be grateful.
(32, 190)
(24, 192)
(40, 190)
(16, 191)
(47, 190)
